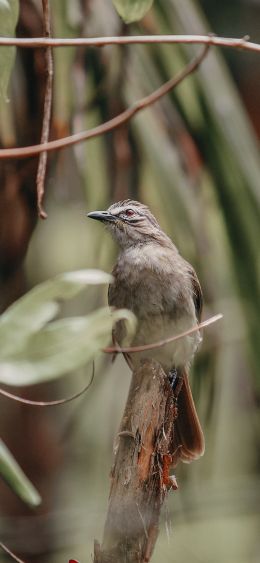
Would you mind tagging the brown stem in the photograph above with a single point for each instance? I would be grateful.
(139, 480)
(41, 173)
(161, 343)
(55, 403)
(7, 550)
(112, 123)
(211, 39)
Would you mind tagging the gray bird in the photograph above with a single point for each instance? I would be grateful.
(162, 289)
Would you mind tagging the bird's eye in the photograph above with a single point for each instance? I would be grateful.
(129, 212)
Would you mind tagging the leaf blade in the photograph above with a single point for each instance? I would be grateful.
(32, 311)
(16, 478)
(61, 346)
(132, 10)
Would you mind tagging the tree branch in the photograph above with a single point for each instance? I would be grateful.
(41, 173)
(210, 39)
(139, 480)
(123, 117)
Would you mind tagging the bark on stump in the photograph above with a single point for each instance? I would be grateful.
(140, 476)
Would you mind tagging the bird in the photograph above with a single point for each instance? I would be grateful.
(162, 289)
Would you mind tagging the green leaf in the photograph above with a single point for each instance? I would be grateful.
(40, 305)
(62, 346)
(9, 10)
(132, 10)
(15, 477)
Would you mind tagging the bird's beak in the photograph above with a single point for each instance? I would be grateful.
(102, 216)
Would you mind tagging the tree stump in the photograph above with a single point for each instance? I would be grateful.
(140, 477)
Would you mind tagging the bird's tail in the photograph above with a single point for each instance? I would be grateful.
(189, 443)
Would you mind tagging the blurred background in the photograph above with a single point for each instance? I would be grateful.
(194, 159)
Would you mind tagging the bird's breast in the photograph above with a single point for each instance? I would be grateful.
(158, 291)
(151, 282)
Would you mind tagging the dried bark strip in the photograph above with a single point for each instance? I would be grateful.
(143, 450)
(41, 173)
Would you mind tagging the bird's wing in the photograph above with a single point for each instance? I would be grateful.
(197, 293)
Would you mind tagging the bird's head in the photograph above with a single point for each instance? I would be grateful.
(129, 222)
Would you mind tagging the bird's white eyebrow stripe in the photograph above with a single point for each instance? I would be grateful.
(119, 211)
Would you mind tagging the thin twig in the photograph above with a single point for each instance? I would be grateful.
(48, 403)
(211, 39)
(41, 173)
(161, 343)
(117, 121)
(7, 550)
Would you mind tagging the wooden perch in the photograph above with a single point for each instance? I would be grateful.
(140, 477)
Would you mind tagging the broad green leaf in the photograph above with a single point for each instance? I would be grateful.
(132, 10)
(40, 305)
(62, 346)
(9, 10)
(15, 477)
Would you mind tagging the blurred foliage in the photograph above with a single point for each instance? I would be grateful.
(35, 350)
(194, 159)
(9, 10)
